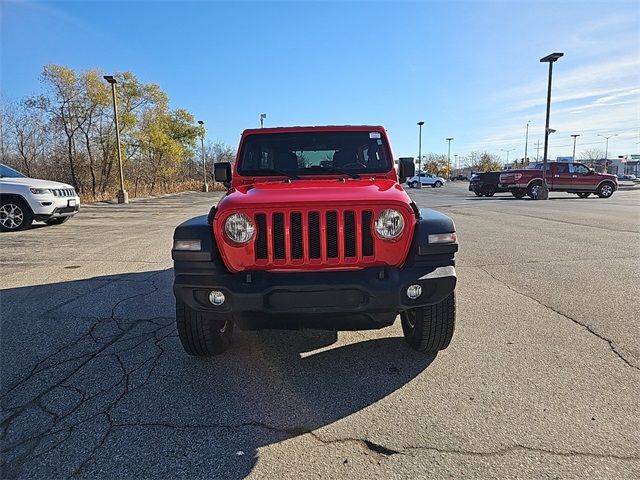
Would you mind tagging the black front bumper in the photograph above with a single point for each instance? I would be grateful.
(347, 300)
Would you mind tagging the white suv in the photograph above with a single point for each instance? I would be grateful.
(425, 179)
(24, 199)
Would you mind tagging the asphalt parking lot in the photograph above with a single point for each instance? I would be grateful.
(541, 379)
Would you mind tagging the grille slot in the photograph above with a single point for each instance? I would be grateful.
(332, 235)
(367, 238)
(314, 235)
(278, 236)
(261, 239)
(349, 234)
(296, 236)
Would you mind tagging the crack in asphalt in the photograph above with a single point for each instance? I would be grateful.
(589, 329)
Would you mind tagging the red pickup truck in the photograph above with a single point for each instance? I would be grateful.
(560, 177)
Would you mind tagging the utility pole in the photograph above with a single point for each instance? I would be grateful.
(538, 151)
(507, 150)
(205, 187)
(544, 189)
(606, 149)
(455, 162)
(526, 142)
(420, 153)
(449, 156)
(262, 117)
(123, 196)
(575, 136)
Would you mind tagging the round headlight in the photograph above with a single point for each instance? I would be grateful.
(389, 224)
(239, 228)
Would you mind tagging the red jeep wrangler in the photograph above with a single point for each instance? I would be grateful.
(560, 177)
(314, 232)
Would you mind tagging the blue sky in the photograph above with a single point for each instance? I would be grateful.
(470, 70)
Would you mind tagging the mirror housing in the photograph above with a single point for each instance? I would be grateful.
(222, 172)
(406, 169)
(591, 171)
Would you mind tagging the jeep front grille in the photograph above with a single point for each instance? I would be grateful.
(63, 192)
(314, 238)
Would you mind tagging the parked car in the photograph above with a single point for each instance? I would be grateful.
(24, 199)
(560, 177)
(485, 184)
(459, 177)
(627, 177)
(425, 179)
(314, 232)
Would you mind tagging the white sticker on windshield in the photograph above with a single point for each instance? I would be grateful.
(374, 135)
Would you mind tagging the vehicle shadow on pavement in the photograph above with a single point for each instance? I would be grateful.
(96, 384)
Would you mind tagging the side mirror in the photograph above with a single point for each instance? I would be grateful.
(222, 172)
(406, 169)
(591, 172)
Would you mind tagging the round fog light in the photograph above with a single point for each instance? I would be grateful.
(414, 291)
(216, 297)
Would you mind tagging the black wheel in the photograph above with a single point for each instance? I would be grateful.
(14, 215)
(199, 334)
(489, 191)
(430, 329)
(57, 221)
(533, 191)
(479, 194)
(519, 192)
(413, 184)
(438, 184)
(583, 194)
(605, 190)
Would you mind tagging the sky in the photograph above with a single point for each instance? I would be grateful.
(469, 69)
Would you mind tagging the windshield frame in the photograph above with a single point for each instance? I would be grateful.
(316, 170)
(17, 173)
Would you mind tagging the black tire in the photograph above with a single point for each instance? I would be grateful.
(489, 191)
(200, 335)
(430, 329)
(533, 190)
(413, 184)
(479, 194)
(583, 194)
(15, 214)
(519, 193)
(438, 184)
(56, 221)
(605, 190)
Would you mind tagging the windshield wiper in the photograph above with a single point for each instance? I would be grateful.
(333, 170)
(273, 171)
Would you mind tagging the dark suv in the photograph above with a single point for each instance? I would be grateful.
(485, 184)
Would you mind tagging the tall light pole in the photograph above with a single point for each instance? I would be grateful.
(262, 117)
(205, 187)
(575, 136)
(526, 143)
(606, 148)
(544, 190)
(455, 162)
(507, 150)
(448, 139)
(123, 196)
(420, 152)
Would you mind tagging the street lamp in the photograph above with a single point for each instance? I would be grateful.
(550, 59)
(262, 117)
(526, 143)
(448, 139)
(205, 187)
(455, 162)
(123, 196)
(507, 150)
(575, 136)
(420, 153)
(606, 148)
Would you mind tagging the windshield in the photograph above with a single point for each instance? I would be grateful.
(308, 153)
(7, 172)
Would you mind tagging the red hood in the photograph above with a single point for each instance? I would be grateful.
(316, 192)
